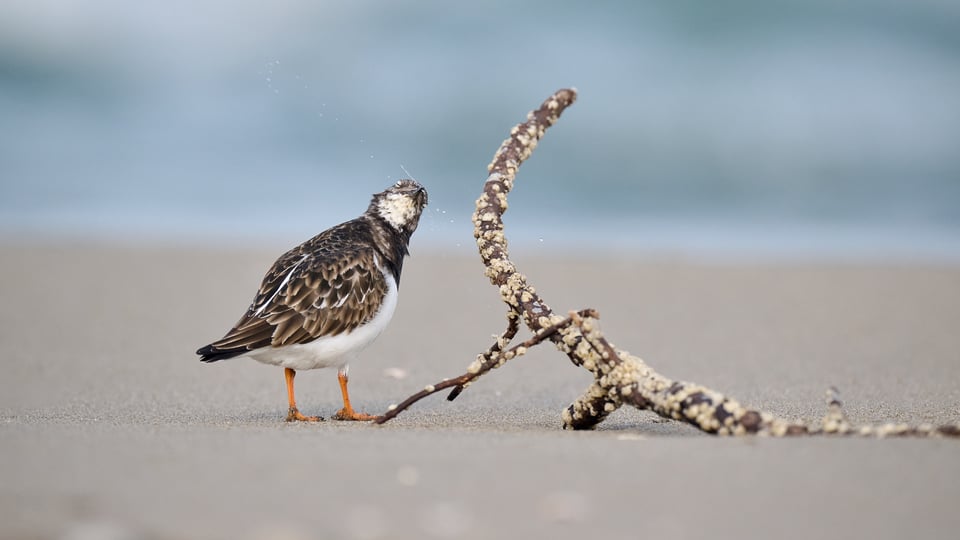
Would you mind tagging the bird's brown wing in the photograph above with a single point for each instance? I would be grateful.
(305, 295)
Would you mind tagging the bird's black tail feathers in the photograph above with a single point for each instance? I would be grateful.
(210, 353)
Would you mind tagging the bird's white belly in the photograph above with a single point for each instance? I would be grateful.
(333, 351)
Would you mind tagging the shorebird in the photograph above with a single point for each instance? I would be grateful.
(325, 300)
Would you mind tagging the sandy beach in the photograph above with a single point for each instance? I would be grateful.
(111, 428)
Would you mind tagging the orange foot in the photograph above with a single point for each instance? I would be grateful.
(350, 414)
(293, 415)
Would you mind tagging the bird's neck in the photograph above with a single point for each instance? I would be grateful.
(391, 244)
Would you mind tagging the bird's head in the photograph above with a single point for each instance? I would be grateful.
(400, 205)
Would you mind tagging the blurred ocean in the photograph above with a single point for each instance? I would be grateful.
(790, 128)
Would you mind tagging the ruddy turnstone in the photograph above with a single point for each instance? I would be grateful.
(325, 300)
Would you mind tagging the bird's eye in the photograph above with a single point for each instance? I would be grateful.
(398, 184)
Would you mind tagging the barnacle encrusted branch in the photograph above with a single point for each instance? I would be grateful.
(495, 357)
(619, 377)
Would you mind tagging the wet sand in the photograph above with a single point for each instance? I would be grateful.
(111, 428)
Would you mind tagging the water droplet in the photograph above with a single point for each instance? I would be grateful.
(371, 156)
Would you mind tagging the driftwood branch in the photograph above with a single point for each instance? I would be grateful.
(490, 360)
(619, 377)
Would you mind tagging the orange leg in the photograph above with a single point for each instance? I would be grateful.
(347, 412)
(293, 414)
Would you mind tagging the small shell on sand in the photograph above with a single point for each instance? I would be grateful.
(395, 373)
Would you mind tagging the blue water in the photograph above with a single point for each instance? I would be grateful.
(811, 128)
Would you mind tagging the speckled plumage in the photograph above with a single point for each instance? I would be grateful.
(330, 284)
(313, 304)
